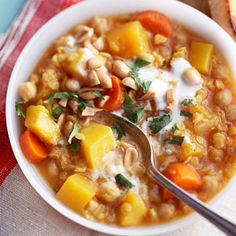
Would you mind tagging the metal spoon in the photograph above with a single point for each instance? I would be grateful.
(223, 224)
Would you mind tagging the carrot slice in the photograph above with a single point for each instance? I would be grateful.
(185, 176)
(156, 22)
(234, 140)
(116, 97)
(33, 149)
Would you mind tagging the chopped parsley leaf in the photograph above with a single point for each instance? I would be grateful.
(159, 123)
(178, 140)
(174, 128)
(74, 132)
(134, 113)
(74, 147)
(187, 101)
(60, 95)
(118, 130)
(20, 109)
(135, 67)
(186, 114)
(98, 94)
(123, 181)
(82, 104)
(56, 111)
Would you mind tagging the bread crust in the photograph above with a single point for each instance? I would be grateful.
(201, 5)
(223, 12)
(232, 10)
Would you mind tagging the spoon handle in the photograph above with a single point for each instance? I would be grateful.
(223, 224)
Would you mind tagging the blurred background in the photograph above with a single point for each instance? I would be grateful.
(8, 12)
(9, 9)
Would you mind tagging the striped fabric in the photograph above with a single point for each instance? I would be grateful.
(33, 16)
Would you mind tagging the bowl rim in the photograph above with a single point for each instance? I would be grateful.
(108, 229)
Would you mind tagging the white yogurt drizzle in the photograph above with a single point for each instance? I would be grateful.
(81, 67)
(163, 80)
(113, 165)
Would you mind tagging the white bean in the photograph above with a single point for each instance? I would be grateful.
(27, 90)
(192, 76)
(166, 210)
(224, 97)
(72, 85)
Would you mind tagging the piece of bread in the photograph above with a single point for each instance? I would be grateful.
(201, 5)
(224, 13)
(232, 10)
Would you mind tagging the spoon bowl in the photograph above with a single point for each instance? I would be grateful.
(133, 130)
(146, 148)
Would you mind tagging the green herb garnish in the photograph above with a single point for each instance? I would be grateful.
(60, 95)
(139, 63)
(135, 67)
(74, 147)
(118, 130)
(56, 111)
(123, 181)
(74, 132)
(134, 113)
(178, 140)
(82, 104)
(146, 85)
(174, 128)
(186, 114)
(187, 101)
(20, 109)
(159, 123)
(98, 94)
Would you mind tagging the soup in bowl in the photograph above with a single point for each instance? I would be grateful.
(152, 70)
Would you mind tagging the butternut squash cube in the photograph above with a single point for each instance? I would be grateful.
(132, 210)
(200, 56)
(75, 64)
(98, 140)
(76, 192)
(128, 40)
(39, 121)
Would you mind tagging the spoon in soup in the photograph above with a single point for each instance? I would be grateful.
(145, 146)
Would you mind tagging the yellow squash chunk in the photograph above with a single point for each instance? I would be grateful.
(39, 121)
(128, 40)
(132, 210)
(98, 140)
(75, 64)
(76, 192)
(200, 56)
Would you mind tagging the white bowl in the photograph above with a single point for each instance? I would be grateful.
(60, 24)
